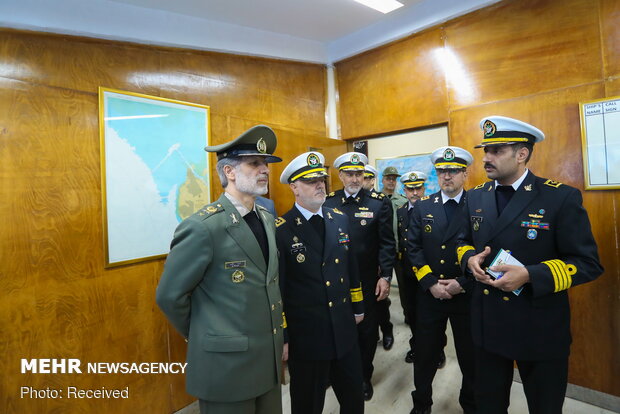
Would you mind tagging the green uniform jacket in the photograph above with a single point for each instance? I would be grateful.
(218, 293)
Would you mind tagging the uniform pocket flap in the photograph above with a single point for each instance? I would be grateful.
(225, 343)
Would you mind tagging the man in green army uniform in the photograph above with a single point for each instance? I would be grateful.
(388, 181)
(220, 288)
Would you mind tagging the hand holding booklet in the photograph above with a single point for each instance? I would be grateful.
(504, 257)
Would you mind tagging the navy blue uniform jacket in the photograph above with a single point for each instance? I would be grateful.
(320, 286)
(547, 229)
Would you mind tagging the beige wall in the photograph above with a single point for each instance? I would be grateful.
(408, 143)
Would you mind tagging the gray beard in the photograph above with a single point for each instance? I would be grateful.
(249, 186)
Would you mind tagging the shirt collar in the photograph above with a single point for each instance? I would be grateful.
(457, 198)
(350, 195)
(517, 183)
(243, 211)
(307, 213)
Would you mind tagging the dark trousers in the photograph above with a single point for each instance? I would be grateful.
(383, 315)
(544, 383)
(407, 290)
(309, 381)
(368, 334)
(430, 339)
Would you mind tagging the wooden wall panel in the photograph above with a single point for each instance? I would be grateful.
(57, 300)
(610, 33)
(399, 86)
(534, 60)
(523, 47)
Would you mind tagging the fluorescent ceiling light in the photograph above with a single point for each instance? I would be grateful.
(384, 6)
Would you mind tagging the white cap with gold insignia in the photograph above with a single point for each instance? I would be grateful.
(306, 166)
(370, 171)
(351, 161)
(501, 130)
(451, 157)
(413, 179)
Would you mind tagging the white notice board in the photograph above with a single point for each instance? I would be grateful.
(600, 137)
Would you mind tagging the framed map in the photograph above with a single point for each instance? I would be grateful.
(420, 162)
(154, 171)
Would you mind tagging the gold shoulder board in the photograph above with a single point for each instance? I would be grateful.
(479, 186)
(552, 183)
(338, 211)
(425, 198)
(280, 221)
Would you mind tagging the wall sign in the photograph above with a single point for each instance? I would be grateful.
(600, 137)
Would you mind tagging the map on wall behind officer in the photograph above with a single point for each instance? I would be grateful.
(419, 162)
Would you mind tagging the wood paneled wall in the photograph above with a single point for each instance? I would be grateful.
(534, 60)
(57, 300)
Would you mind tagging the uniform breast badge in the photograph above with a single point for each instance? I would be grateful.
(475, 222)
(301, 258)
(363, 222)
(532, 234)
(238, 276)
(428, 228)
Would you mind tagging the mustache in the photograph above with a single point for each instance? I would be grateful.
(488, 164)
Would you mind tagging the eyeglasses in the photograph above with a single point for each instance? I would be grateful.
(450, 171)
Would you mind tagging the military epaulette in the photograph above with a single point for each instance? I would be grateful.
(479, 186)
(338, 211)
(374, 194)
(210, 210)
(425, 198)
(551, 183)
(280, 221)
(333, 193)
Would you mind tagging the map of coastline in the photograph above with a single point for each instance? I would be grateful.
(156, 176)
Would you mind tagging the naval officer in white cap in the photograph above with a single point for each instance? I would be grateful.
(373, 245)
(321, 291)
(443, 293)
(524, 315)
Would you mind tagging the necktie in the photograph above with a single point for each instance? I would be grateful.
(450, 207)
(259, 232)
(317, 224)
(503, 194)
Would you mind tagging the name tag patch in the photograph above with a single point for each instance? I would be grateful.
(234, 265)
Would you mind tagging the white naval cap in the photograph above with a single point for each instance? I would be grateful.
(501, 130)
(451, 157)
(370, 171)
(351, 161)
(413, 179)
(305, 166)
